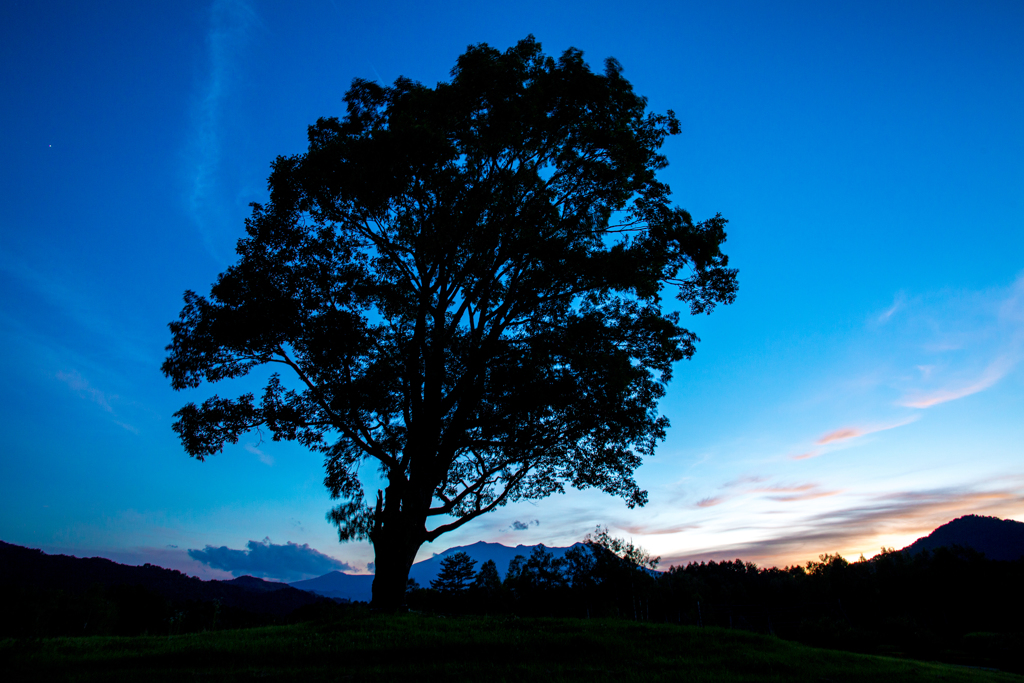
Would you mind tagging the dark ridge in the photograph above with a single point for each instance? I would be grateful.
(32, 569)
(998, 539)
(258, 585)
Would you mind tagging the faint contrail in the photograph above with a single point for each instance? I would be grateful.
(230, 21)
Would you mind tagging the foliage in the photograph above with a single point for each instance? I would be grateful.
(541, 571)
(464, 285)
(487, 579)
(456, 573)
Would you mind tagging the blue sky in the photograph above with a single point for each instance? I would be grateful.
(867, 385)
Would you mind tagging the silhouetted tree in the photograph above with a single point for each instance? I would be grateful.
(487, 579)
(542, 570)
(579, 566)
(456, 573)
(464, 285)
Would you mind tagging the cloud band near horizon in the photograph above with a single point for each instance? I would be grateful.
(263, 559)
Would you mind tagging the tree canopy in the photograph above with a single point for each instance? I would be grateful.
(456, 573)
(463, 284)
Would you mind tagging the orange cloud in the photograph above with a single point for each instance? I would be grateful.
(854, 432)
(839, 435)
(805, 456)
(709, 502)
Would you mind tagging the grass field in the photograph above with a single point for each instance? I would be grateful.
(364, 647)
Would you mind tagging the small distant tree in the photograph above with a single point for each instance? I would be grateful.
(579, 566)
(487, 579)
(515, 569)
(456, 573)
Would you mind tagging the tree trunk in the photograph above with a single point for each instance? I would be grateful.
(397, 536)
(392, 561)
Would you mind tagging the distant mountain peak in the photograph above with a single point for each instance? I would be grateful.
(998, 539)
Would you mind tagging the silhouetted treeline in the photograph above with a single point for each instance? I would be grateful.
(951, 603)
(57, 595)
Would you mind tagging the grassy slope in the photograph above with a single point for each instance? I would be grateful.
(420, 648)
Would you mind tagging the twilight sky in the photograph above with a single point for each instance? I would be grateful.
(866, 387)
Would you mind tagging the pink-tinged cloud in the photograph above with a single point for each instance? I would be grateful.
(847, 433)
(810, 495)
(839, 435)
(710, 501)
(805, 456)
(790, 494)
(992, 374)
(785, 489)
(642, 530)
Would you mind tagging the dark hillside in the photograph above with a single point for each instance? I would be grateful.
(62, 595)
(251, 583)
(998, 539)
(33, 568)
(340, 586)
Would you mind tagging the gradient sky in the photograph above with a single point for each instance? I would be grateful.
(866, 387)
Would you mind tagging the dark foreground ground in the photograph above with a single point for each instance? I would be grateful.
(364, 647)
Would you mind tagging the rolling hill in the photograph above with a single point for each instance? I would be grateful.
(998, 539)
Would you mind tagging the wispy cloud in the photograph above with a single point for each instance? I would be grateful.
(744, 481)
(800, 488)
(780, 493)
(790, 493)
(263, 457)
(897, 304)
(847, 433)
(230, 24)
(840, 435)
(78, 384)
(995, 371)
(654, 530)
(805, 495)
(805, 456)
(973, 341)
(126, 426)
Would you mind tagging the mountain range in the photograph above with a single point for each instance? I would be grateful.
(998, 539)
